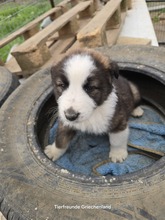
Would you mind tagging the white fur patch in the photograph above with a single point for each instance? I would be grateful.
(118, 148)
(53, 152)
(137, 112)
(92, 119)
(78, 67)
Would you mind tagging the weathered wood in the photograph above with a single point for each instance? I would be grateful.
(59, 48)
(93, 34)
(70, 28)
(129, 2)
(133, 40)
(53, 13)
(115, 20)
(13, 66)
(88, 12)
(34, 52)
(27, 34)
(113, 34)
(33, 59)
(27, 27)
(124, 5)
(52, 40)
(60, 22)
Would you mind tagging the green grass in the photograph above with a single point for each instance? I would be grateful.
(13, 16)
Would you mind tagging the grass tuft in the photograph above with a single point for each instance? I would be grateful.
(14, 16)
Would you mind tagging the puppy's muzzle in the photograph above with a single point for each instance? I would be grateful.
(71, 114)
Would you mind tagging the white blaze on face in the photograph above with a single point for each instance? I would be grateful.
(77, 69)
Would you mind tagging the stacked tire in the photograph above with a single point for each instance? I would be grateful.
(8, 83)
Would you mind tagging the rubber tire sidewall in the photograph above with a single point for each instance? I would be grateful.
(29, 177)
(8, 83)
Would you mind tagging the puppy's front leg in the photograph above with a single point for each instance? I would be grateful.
(63, 137)
(118, 148)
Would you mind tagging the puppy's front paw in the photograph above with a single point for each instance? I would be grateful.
(53, 152)
(118, 155)
(137, 112)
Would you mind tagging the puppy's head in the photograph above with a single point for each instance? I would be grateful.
(82, 81)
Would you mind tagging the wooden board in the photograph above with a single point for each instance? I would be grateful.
(58, 10)
(13, 66)
(33, 53)
(47, 46)
(59, 48)
(133, 40)
(27, 27)
(93, 34)
(43, 35)
(112, 34)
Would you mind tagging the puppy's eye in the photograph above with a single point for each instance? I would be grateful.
(89, 88)
(61, 85)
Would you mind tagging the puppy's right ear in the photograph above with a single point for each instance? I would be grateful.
(114, 69)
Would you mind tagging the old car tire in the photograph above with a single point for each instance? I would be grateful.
(8, 83)
(33, 187)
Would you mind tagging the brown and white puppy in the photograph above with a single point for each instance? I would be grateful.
(92, 98)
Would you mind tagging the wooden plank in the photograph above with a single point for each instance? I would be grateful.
(54, 13)
(113, 34)
(43, 35)
(27, 27)
(93, 34)
(70, 28)
(28, 33)
(68, 44)
(124, 5)
(75, 46)
(115, 21)
(13, 66)
(34, 52)
(129, 2)
(62, 45)
(50, 41)
(133, 40)
(59, 48)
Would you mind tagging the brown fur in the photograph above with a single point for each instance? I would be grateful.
(125, 105)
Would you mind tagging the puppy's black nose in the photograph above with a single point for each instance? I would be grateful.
(71, 114)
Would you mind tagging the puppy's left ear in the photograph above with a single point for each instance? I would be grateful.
(114, 69)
